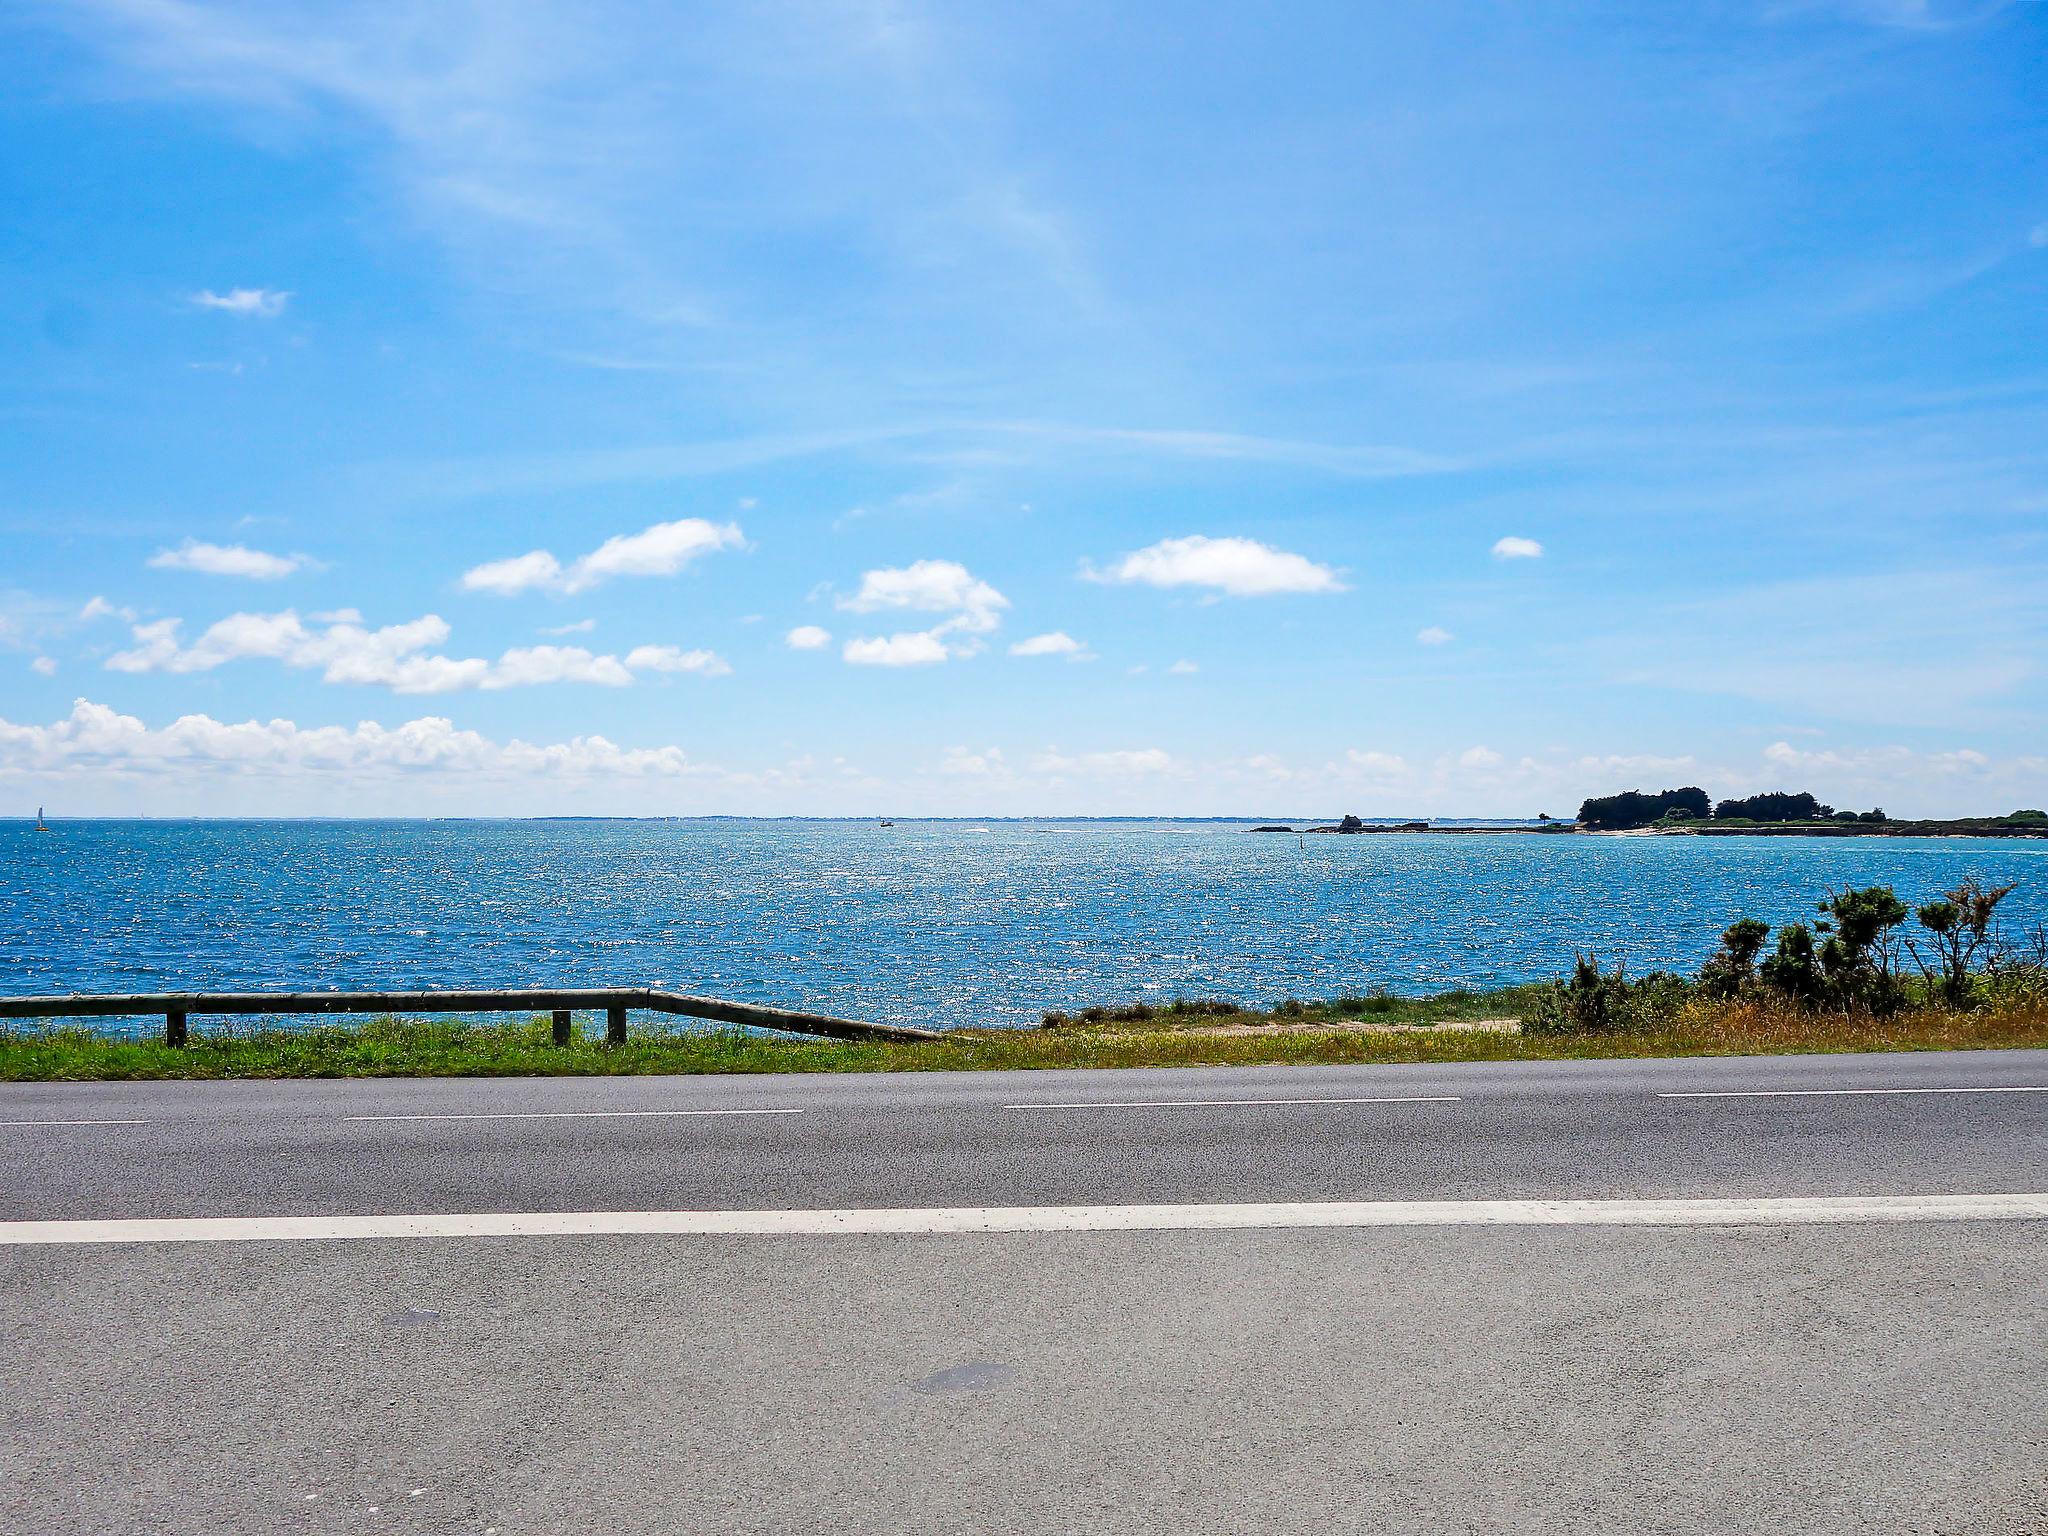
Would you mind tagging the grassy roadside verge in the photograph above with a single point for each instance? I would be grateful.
(1344, 1031)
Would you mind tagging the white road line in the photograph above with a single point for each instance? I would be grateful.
(74, 1122)
(1210, 1103)
(1050, 1218)
(1825, 1093)
(580, 1114)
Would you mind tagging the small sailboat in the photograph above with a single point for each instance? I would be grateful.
(41, 825)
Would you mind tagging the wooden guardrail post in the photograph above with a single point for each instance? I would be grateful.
(561, 1026)
(174, 1026)
(615, 1026)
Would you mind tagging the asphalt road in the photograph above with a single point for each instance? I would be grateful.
(1881, 1378)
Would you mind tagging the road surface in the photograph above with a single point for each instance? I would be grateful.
(1762, 1365)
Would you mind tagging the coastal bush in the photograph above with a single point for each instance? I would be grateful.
(1959, 930)
(1142, 1013)
(1731, 970)
(1597, 1002)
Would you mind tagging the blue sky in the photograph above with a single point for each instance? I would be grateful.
(976, 409)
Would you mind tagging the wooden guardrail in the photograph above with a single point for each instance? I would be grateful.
(178, 1007)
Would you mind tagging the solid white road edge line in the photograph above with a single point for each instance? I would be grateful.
(1826, 1093)
(1049, 1218)
(1411, 1098)
(579, 1114)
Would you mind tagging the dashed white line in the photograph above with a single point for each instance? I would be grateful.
(580, 1114)
(74, 1122)
(1825, 1093)
(1038, 1219)
(1408, 1098)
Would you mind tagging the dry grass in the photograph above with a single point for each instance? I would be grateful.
(415, 1048)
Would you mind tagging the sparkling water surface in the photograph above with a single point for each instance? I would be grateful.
(935, 923)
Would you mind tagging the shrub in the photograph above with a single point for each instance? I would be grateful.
(1597, 1002)
(1959, 929)
(1731, 970)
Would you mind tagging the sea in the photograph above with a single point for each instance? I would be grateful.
(936, 923)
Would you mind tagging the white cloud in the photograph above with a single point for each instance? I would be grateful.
(963, 762)
(532, 665)
(396, 656)
(260, 303)
(919, 648)
(515, 574)
(931, 586)
(807, 637)
(1235, 566)
(668, 658)
(660, 550)
(44, 666)
(1183, 668)
(1434, 635)
(95, 736)
(1138, 762)
(100, 608)
(1479, 757)
(925, 586)
(1056, 643)
(225, 560)
(580, 627)
(1512, 548)
(1377, 764)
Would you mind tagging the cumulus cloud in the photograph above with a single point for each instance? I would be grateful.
(1057, 643)
(1182, 668)
(1236, 567)
(917, 648)
(225, 560)
(807, 637)
(924, 586)
(100, 608)
(397, 656)
(1512, 548)
(256, 303)
(660, 550)
(96, 736)
(931, 586)
(1434, 635)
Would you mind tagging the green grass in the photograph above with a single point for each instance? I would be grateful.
(435, 1048)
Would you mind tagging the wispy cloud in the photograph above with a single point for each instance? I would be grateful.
(227, 560)
(1055, 643)
(250, 303)
(662, 550)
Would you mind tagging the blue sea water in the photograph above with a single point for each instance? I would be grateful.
(936, 923)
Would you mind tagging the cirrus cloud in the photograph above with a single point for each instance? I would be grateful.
(226, 560)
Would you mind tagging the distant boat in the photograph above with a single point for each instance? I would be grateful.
(888, 823)
(41, 825)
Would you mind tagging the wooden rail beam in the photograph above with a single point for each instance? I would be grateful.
(175, 1008)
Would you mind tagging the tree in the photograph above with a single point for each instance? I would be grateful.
(1633, 808)
(1777, 805)
(1731, 969)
